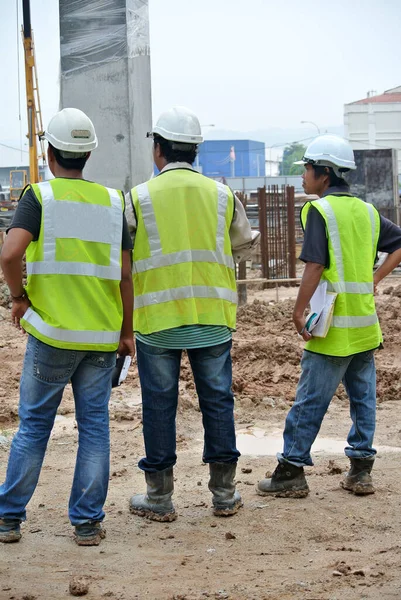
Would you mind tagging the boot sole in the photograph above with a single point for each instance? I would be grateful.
(152, 516)
(284, 493)
(10, 538)
(94, 541)
(228, 512)
(359, 489)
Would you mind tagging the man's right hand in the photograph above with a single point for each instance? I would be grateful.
(19, 308)
(126, 347)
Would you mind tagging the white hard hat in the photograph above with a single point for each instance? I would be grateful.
(179, 124)
(330, 151)
(71, 130)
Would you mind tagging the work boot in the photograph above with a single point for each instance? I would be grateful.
(10, 530)
(156, 504)
(358, 479)
(226, 500)
(89, 534)
(287, 481)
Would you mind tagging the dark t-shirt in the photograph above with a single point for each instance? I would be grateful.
(28, 216)
(316, 248)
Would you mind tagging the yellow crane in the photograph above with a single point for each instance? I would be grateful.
(19, 177)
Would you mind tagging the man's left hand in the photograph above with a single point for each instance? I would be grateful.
(299, 322)
(18, 310)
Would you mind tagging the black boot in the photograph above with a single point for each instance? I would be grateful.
(226, 500)
(156, 504)
(358, 479)
(287, 481)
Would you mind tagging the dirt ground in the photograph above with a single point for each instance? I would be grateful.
(329, 546)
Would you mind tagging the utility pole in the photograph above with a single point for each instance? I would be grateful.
(30, 92)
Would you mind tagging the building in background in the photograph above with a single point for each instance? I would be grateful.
(375, 122)
(231, 158)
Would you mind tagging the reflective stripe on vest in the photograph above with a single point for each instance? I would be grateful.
(347, 322)
(350, 287)
(183, 293)
(70, 220)
(373, 224)
(342, 286)
(66, 335)
(158, 259)
(334, 235)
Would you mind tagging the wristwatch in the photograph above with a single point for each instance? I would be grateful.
(21, 297)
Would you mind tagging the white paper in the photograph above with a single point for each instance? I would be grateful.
(318, 299)
(124, 370)
(321, 304)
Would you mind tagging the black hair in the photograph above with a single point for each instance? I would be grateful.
(71, 164)
(334, 181)
(174, 154)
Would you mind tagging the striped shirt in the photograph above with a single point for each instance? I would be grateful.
(187, 336)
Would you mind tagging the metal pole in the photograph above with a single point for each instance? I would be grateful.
(242, 290)
(314, 124)
(263, 230)
(291, 231)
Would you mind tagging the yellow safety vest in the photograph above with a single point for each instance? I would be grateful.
(183, 269)
(74, 268)
(352, 228)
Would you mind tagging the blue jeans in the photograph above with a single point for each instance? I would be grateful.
(321, 375)
(159, 372)
(46, 372)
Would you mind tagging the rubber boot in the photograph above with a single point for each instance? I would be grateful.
(287, 481)
(156, 504)
(226, 500)
(358, 479)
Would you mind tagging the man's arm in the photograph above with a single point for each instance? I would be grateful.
(126, 345)
(391, 262)
(242, 238)
(15, 245)
(130, 216)
(389, 242)
(309, 283)
(315, 253)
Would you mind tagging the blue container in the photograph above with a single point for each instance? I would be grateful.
(232, 158)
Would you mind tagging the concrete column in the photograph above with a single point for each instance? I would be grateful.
(105, 71)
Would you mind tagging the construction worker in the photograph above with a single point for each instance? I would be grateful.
(342, 237)
(77, 309)
(186, 230)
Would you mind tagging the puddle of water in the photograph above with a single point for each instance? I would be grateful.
(258, 442)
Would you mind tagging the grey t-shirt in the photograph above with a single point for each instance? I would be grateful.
(28, 216)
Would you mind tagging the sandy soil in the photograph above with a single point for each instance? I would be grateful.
(329, 546)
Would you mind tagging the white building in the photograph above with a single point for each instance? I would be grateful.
(375, 122)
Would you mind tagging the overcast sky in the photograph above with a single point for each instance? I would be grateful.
(242, 65)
